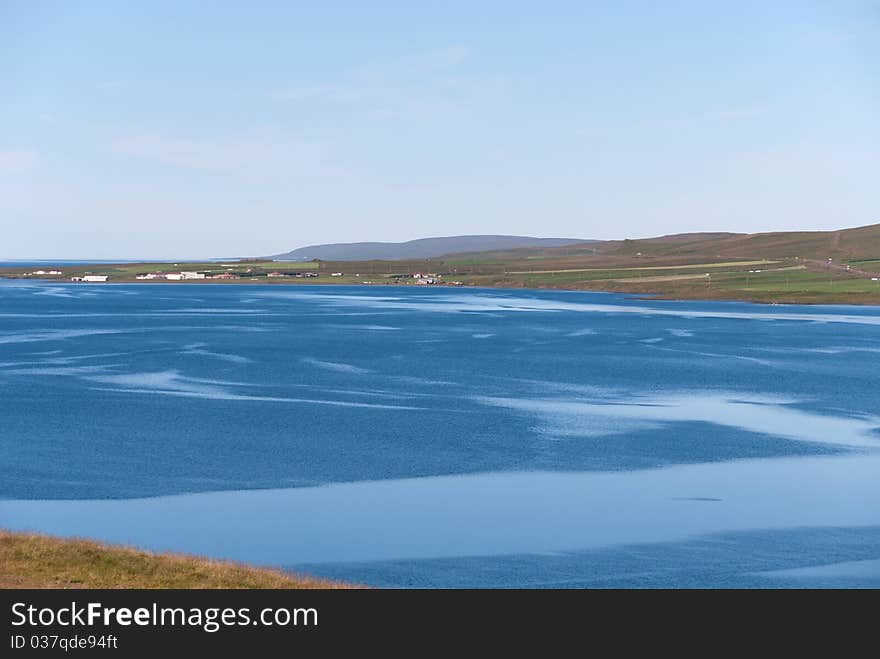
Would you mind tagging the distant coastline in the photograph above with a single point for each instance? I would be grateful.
(806, 267)
(862, 292)
(715, 296)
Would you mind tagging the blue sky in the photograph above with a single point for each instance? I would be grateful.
(196, 129)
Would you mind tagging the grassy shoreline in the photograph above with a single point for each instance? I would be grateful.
(804, 295)
(779, 280)
(33, 560)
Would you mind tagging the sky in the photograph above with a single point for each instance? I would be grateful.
(153, 129)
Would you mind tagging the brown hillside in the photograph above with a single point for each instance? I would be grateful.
(30, 560)
(861, 242)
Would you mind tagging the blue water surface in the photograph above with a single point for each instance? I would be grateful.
(404, 436)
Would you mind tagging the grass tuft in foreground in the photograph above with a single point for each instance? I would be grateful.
(30, 560)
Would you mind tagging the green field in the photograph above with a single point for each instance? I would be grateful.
(872, 265)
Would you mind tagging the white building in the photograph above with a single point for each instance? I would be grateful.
(95, 278)
(177, 276)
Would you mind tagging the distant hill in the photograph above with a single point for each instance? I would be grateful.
(856, 243)
(586, 248)
(423, 248)
(860, 242)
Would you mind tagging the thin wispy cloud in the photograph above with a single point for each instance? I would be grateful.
(328, 92)
(741, 112)
(411, 64)
(843, 35)
(16, 161)
(275, 154)
(195, 153)
(112, 86)
(662, 123)
(389, 87)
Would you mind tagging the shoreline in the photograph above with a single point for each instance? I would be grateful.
(810, 299)
(660, 272)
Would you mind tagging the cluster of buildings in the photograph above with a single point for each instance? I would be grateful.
(191, 275)
(91, 278)
(298, 275)
(41, 273)
(426, 279)
(420, 278)
(172, 276)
